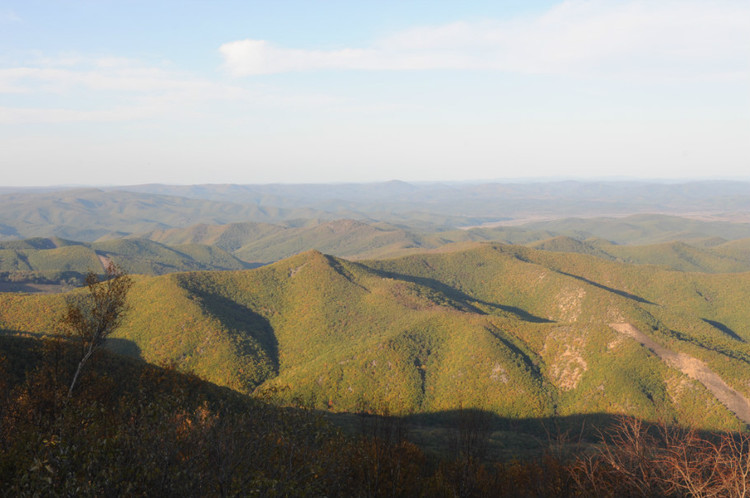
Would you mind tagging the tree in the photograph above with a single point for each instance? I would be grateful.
(92, 317)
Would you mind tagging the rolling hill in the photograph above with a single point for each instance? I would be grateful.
(520, 332)
(716, 257)
(54, 260)
(90, 214)
(265, 243)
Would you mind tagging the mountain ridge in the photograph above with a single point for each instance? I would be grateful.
(513, 330)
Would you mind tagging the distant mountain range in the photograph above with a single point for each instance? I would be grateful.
(90, 214)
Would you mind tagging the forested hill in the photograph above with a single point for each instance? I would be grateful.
(519, 332)
(53, 263)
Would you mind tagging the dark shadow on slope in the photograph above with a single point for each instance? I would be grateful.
(484, 434)
(460, 297)
(123, 347)
(251, 265)
(492, 437)
(21, 355)
(730, 352)
(533, 367)
(339, 268)
(520, 313)
(25, 349)
(587, 426)
(22, 334)
(723, 328)
(236, 317)
(624, 294)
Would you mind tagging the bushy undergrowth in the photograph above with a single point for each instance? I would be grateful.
(138, 430)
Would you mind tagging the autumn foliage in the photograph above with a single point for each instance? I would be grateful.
(135, 429)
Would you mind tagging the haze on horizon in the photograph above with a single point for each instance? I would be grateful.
(115, 93)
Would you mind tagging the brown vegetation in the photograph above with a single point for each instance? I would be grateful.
(160, 433)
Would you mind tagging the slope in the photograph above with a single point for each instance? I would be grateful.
(59, 261)
(520, 332)
(723, 257)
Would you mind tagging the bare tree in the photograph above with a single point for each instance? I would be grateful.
(94, 316)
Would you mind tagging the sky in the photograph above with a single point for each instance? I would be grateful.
(96, 92)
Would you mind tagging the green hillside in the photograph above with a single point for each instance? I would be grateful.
(58, 261)
(145, 256)
(229, 237)
(705, 256)
(642, 229)
(737, 249)
(265, 243)
(133, 429)
(617, 239)
(563, 243)
(520, 332)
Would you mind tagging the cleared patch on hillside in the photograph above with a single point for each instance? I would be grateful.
(569, 303)
(693, 368)
(564, 347)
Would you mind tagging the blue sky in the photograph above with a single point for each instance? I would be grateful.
(126, 92)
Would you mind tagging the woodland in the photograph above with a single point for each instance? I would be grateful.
(540, 339)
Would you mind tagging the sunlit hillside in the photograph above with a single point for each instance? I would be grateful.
(520, 332)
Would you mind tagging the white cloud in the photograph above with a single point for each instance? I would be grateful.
(671, 38)
(246, 57)
(79, 89)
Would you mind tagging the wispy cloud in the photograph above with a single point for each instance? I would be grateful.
(672, 38)
(125, 90)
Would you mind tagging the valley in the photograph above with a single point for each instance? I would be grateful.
(517, 331)
(368, 310)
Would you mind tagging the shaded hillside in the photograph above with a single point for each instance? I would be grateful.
(516, 331)
(138, 429)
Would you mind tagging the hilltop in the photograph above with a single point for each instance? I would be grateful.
(522, 333)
